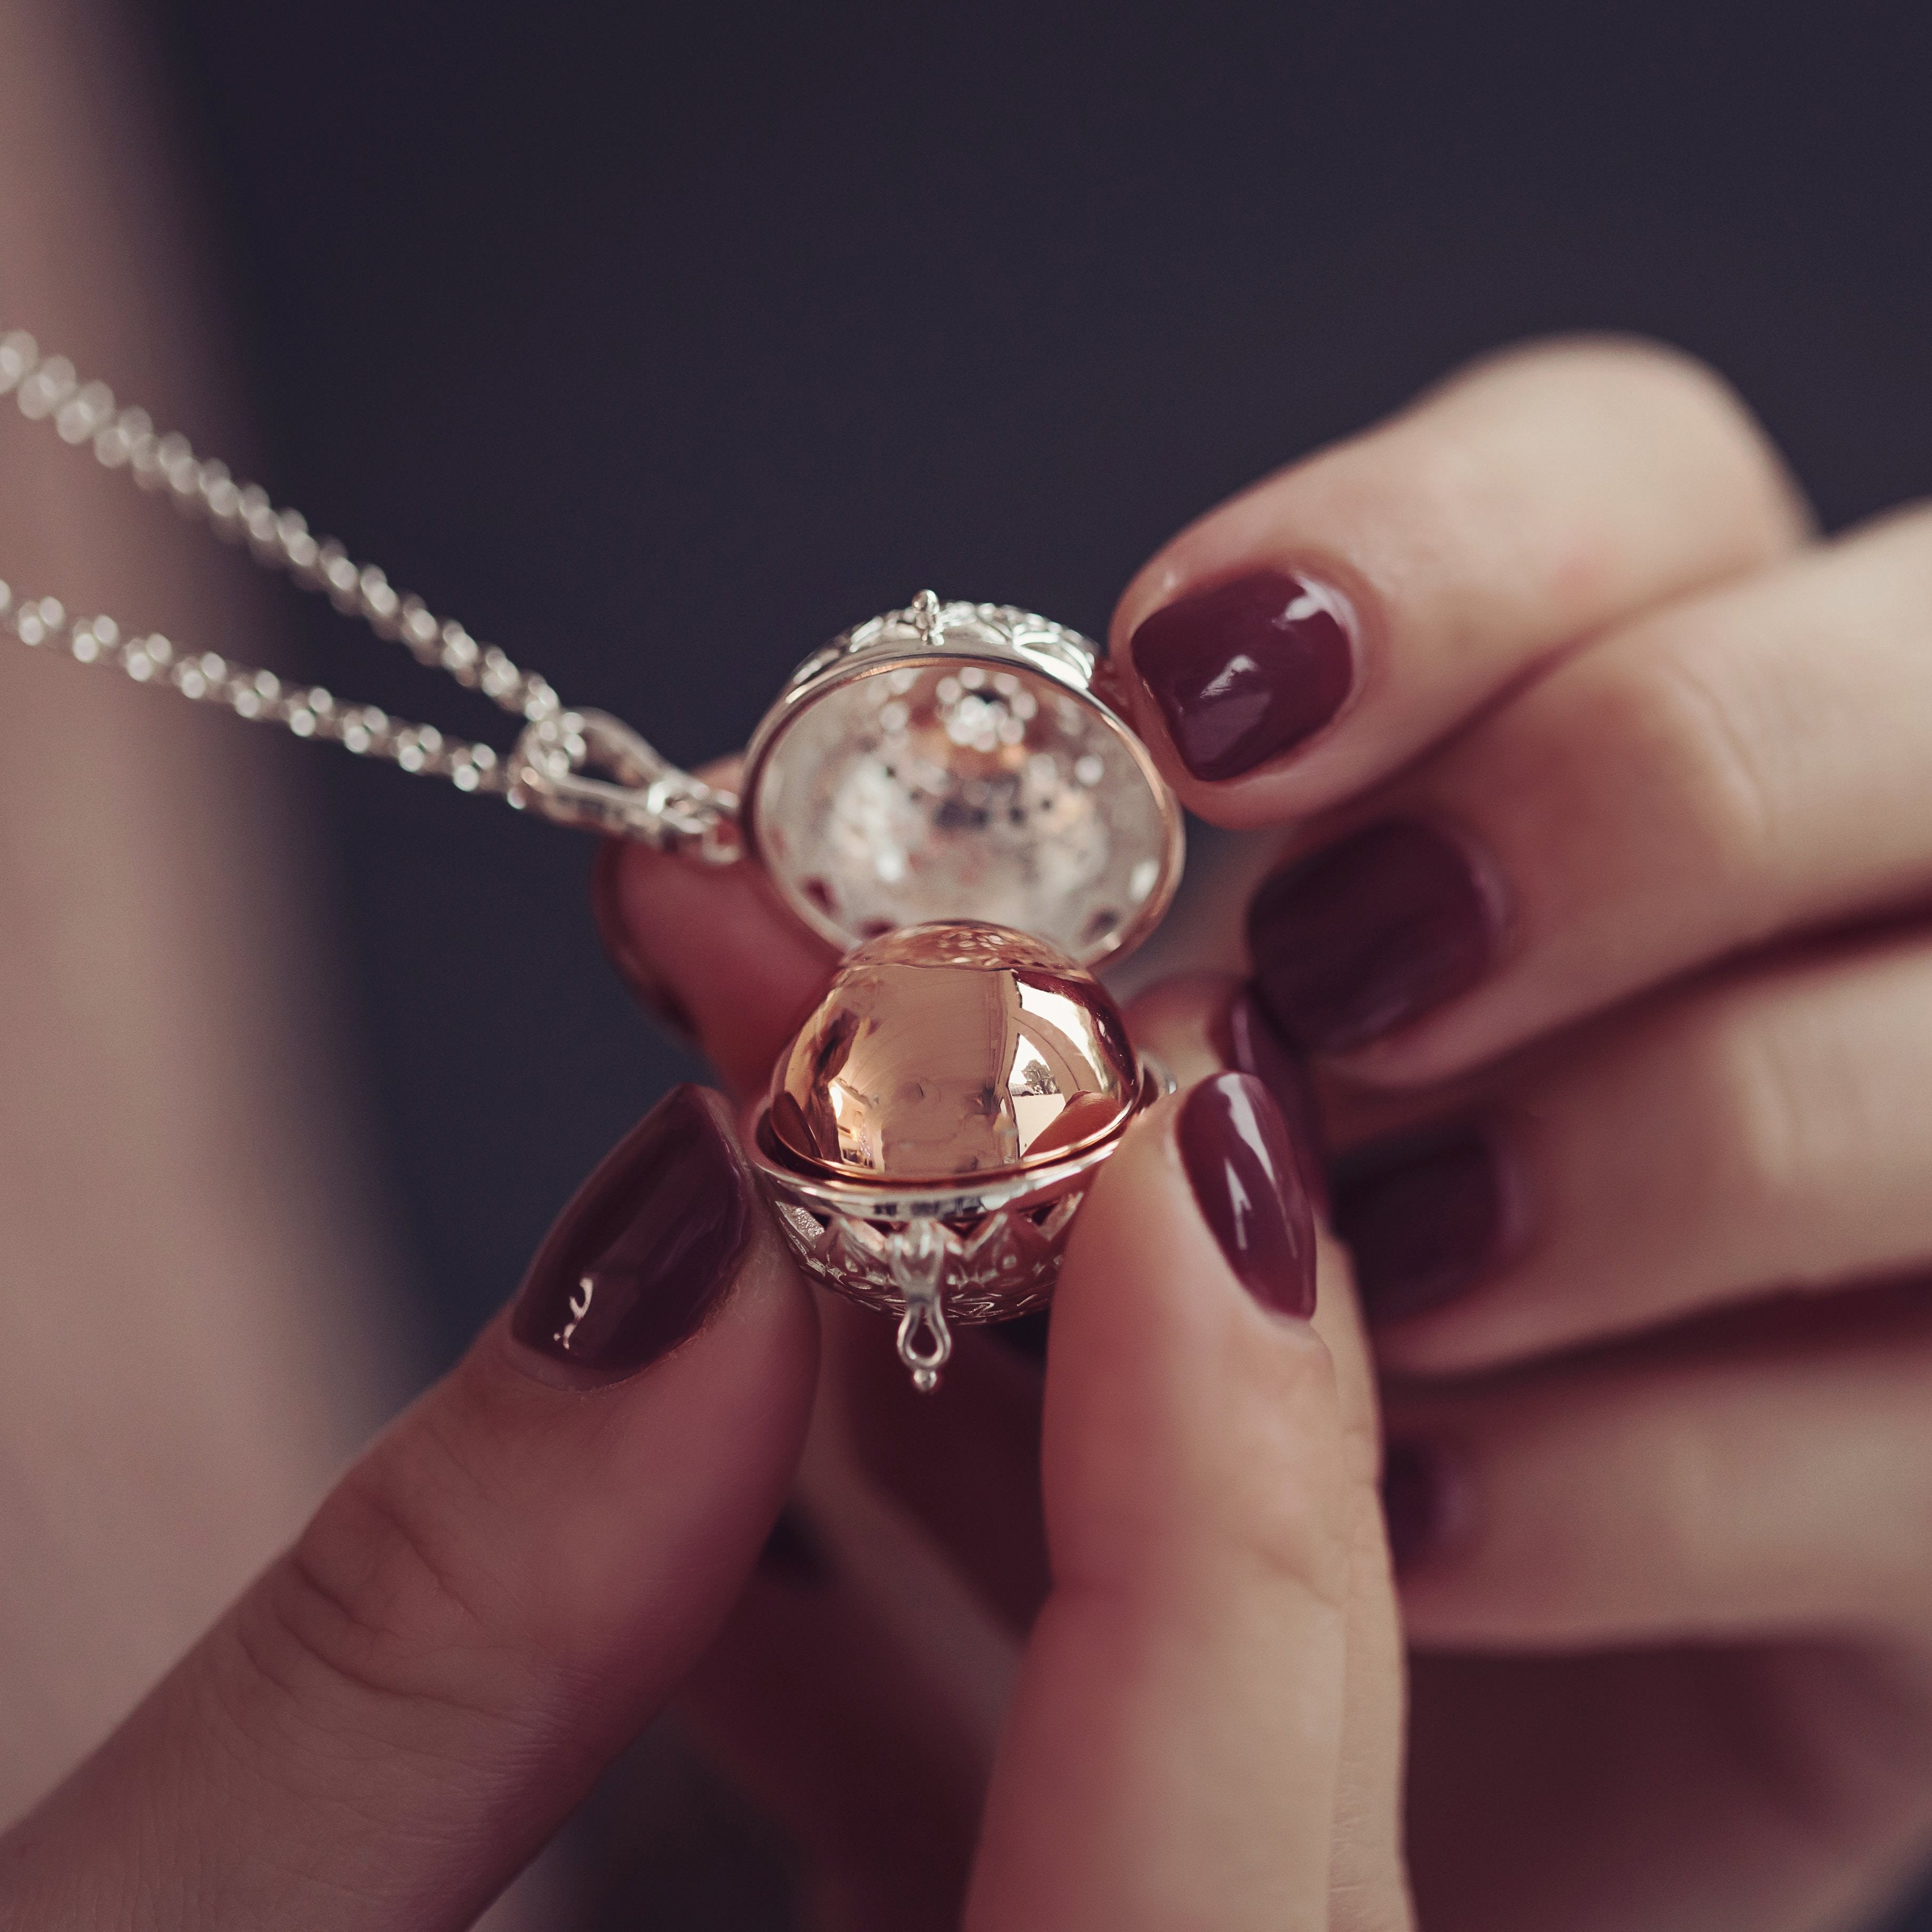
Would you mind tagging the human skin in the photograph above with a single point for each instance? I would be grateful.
(500, 1594)
(144, 1075)
(1643, 946)
(503, 1591)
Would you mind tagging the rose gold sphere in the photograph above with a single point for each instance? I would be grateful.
(950, 1049)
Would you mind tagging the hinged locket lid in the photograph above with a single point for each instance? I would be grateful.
(953, 761)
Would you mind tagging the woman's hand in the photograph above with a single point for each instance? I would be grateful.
(398, 1713)
(390, 1723)
(1621, 1005)
(1609, 807)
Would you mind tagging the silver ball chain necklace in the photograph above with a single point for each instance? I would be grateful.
(944, 792)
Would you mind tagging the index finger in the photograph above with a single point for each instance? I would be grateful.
(1311, 634)
(1173, 1754)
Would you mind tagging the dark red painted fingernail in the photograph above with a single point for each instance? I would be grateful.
(647, 986)
(646, 1248)
(1246, 670)
(1414, 1503)
(1353, 941)
(1425, 1216)
(1235, 1147)
(1248, 1041)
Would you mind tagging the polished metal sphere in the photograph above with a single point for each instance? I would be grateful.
(953, 1049)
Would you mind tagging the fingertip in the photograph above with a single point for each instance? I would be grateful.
(1243, 647)
(710, 950)
(631, 961)
(1246, 673)
(1308, 637)
(1251, 1189)
(710, 1352)
(1197, 1023)
(1166, 1348)
(1175, 1019)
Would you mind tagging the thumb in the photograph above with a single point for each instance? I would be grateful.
(1173, 1755)
(494, 1601)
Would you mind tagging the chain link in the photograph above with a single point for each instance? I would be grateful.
(306, 711)
(682, 813)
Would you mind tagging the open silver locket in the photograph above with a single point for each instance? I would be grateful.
(943, 793)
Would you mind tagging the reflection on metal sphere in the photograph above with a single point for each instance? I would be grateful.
(951, 1049)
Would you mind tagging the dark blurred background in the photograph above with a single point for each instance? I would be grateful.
(660, 344)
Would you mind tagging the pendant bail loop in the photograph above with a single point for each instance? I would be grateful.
(643, 797)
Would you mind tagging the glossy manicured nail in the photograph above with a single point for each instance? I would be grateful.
(1424, 1215)
(1242, 1168)
(1414, 1499)
(646, 984)
(1353, 940)
(1246, 670)
(1248, 1041)
(793, 1553)
(645, 1250)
